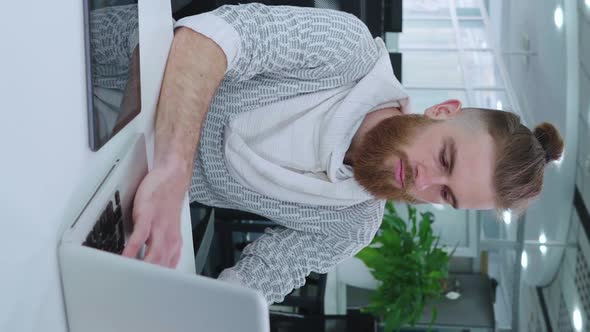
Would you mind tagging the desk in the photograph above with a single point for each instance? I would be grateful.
(47, 168)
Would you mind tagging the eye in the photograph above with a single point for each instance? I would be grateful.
(443, 159)
(444, 193)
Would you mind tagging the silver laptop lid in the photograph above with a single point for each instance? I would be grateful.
(106, 292)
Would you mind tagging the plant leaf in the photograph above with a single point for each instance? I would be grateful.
(409, 264)
(372, 258)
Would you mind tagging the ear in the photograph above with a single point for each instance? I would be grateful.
(445, 110)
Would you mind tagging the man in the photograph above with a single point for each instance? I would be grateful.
(295, 114)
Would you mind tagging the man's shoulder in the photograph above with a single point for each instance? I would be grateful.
(370, 213)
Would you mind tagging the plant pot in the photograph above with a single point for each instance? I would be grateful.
(352, 271)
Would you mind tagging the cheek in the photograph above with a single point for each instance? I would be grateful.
(429, 195)
(420, 148)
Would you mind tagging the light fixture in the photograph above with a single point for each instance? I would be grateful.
(587, 2)
(577, 317)
(507, 216)
(438, 206)
(499, 105)
(558, 17)
(524, 260)
(560, 160)
(543, 239)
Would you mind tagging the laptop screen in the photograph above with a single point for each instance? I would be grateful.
(112, 67)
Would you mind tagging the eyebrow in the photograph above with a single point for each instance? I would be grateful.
(450, 146)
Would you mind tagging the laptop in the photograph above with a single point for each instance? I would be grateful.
(105, 291)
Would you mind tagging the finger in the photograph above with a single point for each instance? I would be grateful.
(164, 248)
(175, 260)
(136, 240)
(173, 243)
(176, 240)
(177, 253)
(155, 251)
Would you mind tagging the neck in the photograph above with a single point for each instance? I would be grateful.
(369, 122)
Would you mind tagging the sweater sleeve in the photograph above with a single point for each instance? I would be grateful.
(278, 261)
(290, 42)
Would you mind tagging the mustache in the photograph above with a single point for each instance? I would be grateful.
(380, 177)
(385, 172)
(408, 173)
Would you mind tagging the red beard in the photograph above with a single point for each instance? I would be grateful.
(373, 161)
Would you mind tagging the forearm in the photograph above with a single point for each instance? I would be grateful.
(196, 65)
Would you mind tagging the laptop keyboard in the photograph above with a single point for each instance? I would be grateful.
(108, 234)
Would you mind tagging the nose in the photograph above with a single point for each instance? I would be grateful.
(426, 177)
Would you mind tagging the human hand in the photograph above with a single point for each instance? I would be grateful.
(156, 218)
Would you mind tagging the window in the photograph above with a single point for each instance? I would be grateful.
(427, 34)
(481, 69)
(472, 34)
(423, 8)
(468, 8)
(423, 98)
(491, 99)
(447, 54)
(431, 68)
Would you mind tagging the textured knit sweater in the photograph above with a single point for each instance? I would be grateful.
(284, 52)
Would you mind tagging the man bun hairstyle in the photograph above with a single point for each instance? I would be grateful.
(521, 157)
(550, 140)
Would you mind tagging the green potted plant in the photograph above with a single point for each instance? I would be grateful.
(410, 267)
